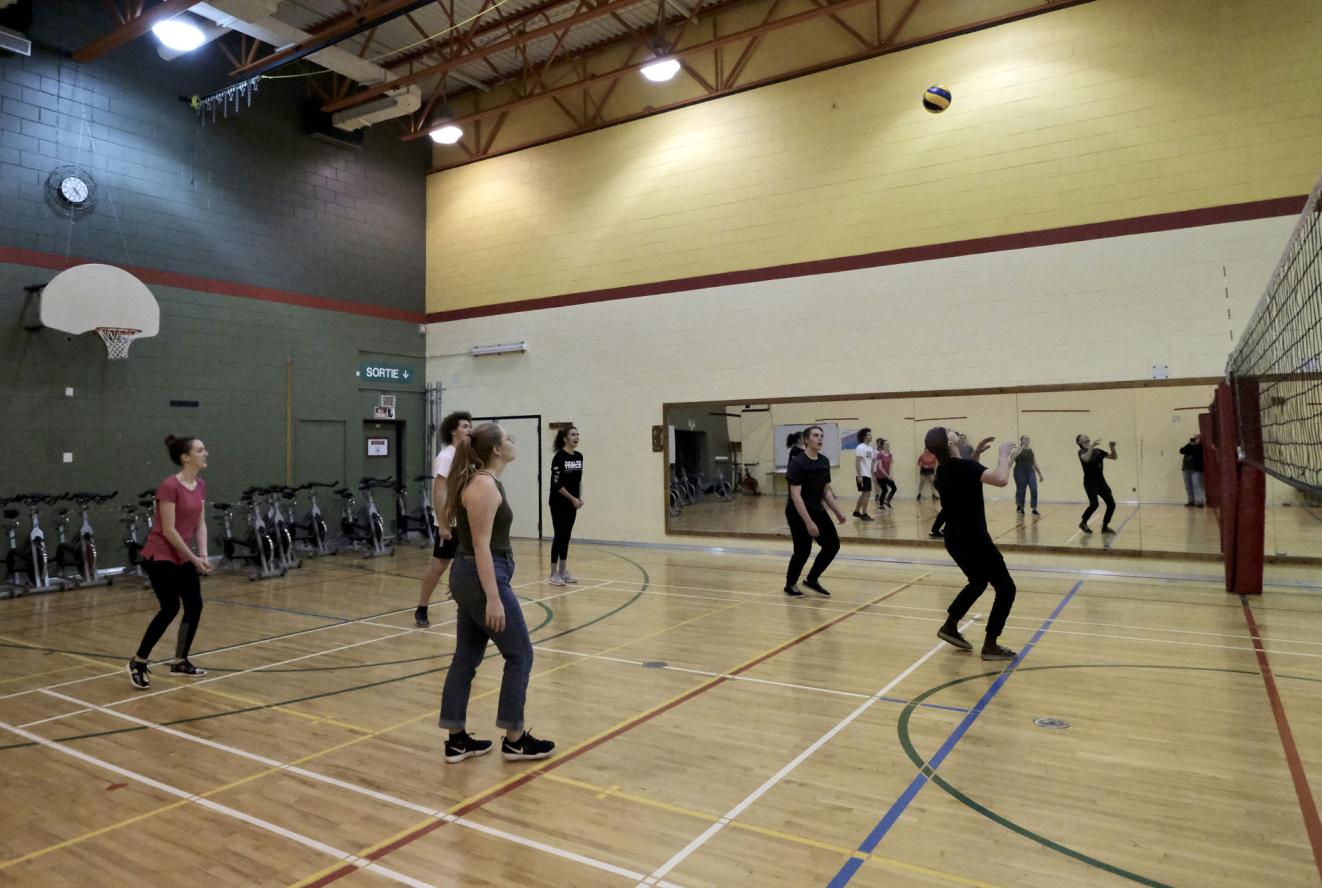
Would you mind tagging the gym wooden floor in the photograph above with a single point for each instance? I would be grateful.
(711, 733)
(1145, 528)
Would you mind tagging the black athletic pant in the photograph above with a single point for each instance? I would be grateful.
(982, 563)
(172, 583)
(940, 522)
(1095, 491)
(827, 539)
(563, 514)
(885, 490)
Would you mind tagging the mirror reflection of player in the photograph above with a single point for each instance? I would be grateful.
(1091, 458)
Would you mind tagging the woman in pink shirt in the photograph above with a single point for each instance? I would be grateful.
(171, 564)
(881, 470)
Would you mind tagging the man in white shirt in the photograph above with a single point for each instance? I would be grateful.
(454, 429)
(863, 457)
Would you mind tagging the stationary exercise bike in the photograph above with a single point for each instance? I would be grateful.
(281, 534)
(28, 558)
(311, 536)
(81, 553)
(132, 545)
(421, 521)
(368, 530)
(257, 550)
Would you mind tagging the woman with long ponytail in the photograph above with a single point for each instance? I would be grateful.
(486, 607)
(170, 561)
(566, 500)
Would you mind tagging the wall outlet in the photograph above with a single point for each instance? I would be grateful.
(68, 391)
(68, 457)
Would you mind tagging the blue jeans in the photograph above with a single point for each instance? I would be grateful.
(1024, 478)
(471, 636)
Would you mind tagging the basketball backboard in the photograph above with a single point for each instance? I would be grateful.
(92, 297)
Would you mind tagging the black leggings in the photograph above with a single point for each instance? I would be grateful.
(939, 522)
(827, 539)
(172, 582)
(885, 490)
(1103, 491)
(982, 563)
(563, 514)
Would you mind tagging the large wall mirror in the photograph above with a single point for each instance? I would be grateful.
(727, 461)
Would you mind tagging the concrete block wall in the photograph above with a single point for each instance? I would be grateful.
(1109, 110)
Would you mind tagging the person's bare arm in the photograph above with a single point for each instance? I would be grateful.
(171, 534)
(1112, 454)
(1000, 476)
(796, 497)
(439, 494)
(481, 500)
(828, 497)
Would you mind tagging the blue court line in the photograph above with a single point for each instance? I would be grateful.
(925, 705)
(921, 779)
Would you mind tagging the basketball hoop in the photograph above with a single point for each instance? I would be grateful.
(117, 340)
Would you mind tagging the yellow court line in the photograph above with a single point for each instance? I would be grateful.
(367, 852)
(47, 672)
(101, 664)
(308, 716)
(602, 792)
(430, 713)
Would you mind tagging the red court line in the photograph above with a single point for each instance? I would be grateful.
(1306, 804)
(551, 765)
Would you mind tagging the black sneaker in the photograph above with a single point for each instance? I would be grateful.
(1106, 528)
(794, 591)
(183, 667)
(526, 747)
(816, 587)
(464, 745)
(856, 515)
(138, 675)
(953, 637)
(1020, 511)
(865, 516)
(936, 534)
(997, 652)
(420, 618)
(1084, 527)
(1037, 514)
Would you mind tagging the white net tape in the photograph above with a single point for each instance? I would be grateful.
(117, 340)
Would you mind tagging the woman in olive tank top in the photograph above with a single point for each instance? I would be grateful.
(485, 603)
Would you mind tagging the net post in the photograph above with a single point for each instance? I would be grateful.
(1227, 460)
(1211, 480)
(1251, 498)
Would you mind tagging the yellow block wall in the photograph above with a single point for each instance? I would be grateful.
(1109, 110)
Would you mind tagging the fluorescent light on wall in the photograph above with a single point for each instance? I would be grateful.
(660, 70)
(499, 349)
(447, 135)
(179, 34)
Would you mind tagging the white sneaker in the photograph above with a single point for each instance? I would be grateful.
(567, 577)
(556, 580)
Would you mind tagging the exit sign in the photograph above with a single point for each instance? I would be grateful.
(398, 374)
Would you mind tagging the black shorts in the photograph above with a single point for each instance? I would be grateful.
(864, 483)
(927, 472)
(446, 549)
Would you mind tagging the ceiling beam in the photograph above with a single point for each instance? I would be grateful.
(131, 29)
(601, 10)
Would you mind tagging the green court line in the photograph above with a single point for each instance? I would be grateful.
(902, 728)
(128, 730)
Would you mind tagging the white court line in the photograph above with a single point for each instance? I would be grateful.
(247, 644)
(875, 614)
(799, 759)
(314, 654)
(360, 790)
(305, 841)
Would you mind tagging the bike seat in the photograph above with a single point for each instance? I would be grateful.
(11, 513)
(223, 507)
(146, 504)
(61, 512)
(423, 478)
(344, 491)
(151, 491)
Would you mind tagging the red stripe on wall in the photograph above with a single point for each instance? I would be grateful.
(18, 256)
(1258, 209)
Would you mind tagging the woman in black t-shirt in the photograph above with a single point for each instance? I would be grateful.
(968, 542)
(794, 441)
(809, 477)
(566, 500)
(1094, 482)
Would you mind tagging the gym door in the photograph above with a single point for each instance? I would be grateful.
(381, 455)
(522, 479)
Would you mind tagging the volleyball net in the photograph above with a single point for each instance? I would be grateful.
(1267, 416)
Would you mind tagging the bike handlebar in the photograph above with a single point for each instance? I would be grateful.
(424, 477)
(367, 483)
(311, 484)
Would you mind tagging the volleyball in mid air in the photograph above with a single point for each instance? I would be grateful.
(936, 99)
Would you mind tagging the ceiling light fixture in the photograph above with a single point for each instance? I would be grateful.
(503, 348)
(179, 34)
(661, 69)
(446, 135)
